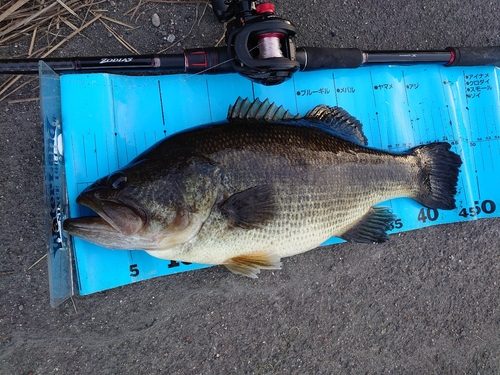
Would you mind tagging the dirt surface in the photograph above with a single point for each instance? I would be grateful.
(426, 302)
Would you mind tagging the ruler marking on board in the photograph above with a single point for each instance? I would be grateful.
(496, 125)
(116, 148)
(84, 156)
(472, 141)
(420, 131)
(377, 117)
(72, 148)
(106, 148)
(373, 91)
(489, 138)
(405, 87)
(209, 106)
(334, 89)
(478, 188)
(134, 151)
(96, 156)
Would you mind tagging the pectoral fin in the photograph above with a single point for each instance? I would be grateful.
(372, 227)
(250, 208)
(251, 264)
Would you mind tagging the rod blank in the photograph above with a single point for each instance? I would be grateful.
(218, 60)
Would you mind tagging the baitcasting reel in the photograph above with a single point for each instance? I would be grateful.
(259, 43)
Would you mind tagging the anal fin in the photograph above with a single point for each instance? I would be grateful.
(251, 264)
(371, 228)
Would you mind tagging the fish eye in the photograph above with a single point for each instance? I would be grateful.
(117, 180)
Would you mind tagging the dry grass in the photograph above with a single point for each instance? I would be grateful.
(39, 19)
(49, 24)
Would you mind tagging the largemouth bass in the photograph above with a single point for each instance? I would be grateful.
(262, 186)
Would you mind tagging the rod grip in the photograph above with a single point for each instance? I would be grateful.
(311, 58)
(473, 56)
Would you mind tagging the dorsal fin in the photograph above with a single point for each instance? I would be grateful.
(334, 118)
(339, 120)
(244, 109)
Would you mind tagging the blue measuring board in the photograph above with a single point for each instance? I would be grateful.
(109, 119)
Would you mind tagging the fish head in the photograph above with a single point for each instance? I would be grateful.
(147, 205)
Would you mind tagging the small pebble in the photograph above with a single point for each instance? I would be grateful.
(155, 20)
(170, 38)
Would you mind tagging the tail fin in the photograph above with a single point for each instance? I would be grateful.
(438, 176)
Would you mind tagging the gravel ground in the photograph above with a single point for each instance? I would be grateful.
(426, 302)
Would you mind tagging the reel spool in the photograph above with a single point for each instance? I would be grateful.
(259, 43)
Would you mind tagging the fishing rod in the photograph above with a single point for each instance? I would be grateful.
(259, 46)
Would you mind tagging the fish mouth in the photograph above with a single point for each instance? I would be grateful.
(114, 216)
(89, 225)
(96, 230)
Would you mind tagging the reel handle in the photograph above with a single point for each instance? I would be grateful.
(220, 9)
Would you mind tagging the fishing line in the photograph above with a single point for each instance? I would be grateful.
(270, 45)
